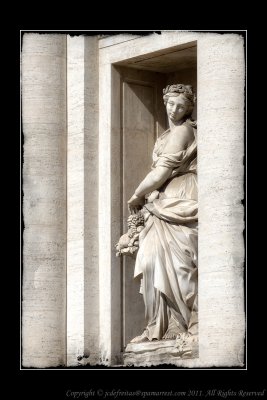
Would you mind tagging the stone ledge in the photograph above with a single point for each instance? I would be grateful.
(159, 352)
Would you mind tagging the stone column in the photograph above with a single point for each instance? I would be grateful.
(220, 172)
(110, 301)
(82, 199)
(44, 201)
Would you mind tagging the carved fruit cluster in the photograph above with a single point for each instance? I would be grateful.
(134, 221)
(129, 242)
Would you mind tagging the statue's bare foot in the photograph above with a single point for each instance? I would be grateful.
(140, 339)
(169, 335)
(173, 330)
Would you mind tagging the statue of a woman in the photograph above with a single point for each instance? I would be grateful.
(167, 257)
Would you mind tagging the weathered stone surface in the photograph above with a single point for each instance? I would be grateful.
(159, 352)
(44, 202)
(82, 197)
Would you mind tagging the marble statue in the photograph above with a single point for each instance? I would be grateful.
(164, 214)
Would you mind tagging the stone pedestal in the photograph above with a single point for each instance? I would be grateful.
(161, 352)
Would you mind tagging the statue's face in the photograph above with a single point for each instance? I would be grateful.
(176, 108)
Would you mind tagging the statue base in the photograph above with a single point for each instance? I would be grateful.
(159, 352)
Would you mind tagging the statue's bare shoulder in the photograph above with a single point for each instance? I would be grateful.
(180, 138)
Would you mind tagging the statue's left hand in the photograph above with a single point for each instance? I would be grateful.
(135, 203)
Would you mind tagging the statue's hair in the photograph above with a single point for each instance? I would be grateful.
(180, 89)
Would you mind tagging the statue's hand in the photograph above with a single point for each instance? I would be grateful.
(153, 196)
(135, 203)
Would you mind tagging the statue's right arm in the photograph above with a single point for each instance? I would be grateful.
(178, 141)
(154, 180)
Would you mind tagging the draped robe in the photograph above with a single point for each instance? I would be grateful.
(166, 260)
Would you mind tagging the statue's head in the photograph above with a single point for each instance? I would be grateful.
(179, 100)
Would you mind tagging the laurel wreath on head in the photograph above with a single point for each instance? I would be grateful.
(180, 88)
